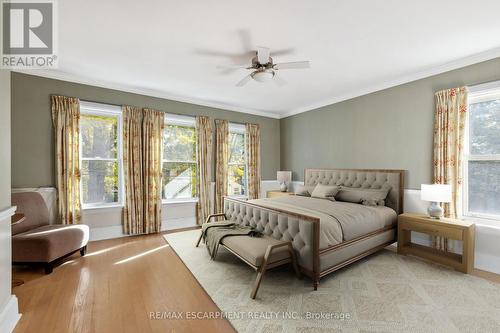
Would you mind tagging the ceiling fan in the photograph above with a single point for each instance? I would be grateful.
(264, 69)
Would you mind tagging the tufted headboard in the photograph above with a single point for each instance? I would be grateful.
(362, 178)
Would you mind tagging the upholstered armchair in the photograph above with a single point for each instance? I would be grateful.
(35, 241)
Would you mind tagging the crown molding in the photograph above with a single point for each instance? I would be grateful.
(431, 71)
(63, 76)
(435, 70)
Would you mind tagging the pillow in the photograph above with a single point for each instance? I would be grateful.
(373, 202)
(369, 197)
(304, 190)
(325, 192)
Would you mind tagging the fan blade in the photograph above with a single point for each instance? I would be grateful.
(263, 54)
(279, 80)
(293, 65)
(244, 81)
(232, 66)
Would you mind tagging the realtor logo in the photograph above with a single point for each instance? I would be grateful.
(28, 34)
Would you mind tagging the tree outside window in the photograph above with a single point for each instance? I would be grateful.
(179, 162)
(237, 180)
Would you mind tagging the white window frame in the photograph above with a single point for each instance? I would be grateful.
(179, 120)
(479, 93)
(105, 110)
(240, 129)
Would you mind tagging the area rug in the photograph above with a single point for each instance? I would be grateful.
(384, 292)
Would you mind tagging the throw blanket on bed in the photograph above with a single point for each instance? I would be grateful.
(214, 232)
(339, 221)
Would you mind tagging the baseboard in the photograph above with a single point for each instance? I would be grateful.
(9, 316)
(116, 231)
(487, 262)
(178, 223)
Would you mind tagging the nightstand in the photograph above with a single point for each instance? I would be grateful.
(448, 228)
(274, 194)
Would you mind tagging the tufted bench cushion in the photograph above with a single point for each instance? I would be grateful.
(253, 249)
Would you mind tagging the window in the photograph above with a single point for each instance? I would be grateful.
(179, 158)
(237, 168)
(100, 155)
(482, 153)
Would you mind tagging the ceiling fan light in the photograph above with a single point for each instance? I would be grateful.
(263, 76)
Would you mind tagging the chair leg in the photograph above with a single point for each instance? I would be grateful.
(199, 239)
(48, 268)
(83, 251)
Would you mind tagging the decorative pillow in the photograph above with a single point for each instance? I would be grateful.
(373, 202)
(372, 197)
(304, 190)
(325, 192)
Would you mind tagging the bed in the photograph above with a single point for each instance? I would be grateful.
(327, 235)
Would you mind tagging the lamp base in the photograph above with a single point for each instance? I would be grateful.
(435, 211)
(283, 187)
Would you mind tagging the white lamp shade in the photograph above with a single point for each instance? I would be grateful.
(284, 176)
(436, 192)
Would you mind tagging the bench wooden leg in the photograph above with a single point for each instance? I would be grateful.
(199, 239)
(261, 272)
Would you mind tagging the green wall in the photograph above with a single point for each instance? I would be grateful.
(32, 136)
(5, 228)
(390, 129)
(4, 139)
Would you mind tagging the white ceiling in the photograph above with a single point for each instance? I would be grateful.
(171, 48)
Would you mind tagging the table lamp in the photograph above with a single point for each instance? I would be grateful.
(435, 193)
(283, 178)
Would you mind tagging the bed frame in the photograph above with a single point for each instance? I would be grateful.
(303, 231)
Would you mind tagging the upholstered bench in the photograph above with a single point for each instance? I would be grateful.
(260, 253)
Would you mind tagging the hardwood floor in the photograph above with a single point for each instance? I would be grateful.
(113, 289)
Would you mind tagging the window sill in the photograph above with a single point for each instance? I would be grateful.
(479, 220)
(90, 209)
(179, 201)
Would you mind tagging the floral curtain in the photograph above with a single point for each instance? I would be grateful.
(449, 127)
(66, 122)
(252, 132)
(132, 170)
(204, 162)
(221, 160)
(152, 137)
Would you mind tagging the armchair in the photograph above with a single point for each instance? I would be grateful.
(35, 241)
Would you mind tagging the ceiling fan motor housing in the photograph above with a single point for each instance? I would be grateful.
(257, 65)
